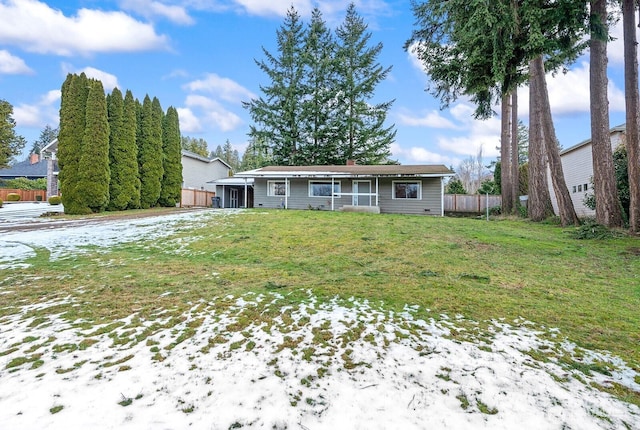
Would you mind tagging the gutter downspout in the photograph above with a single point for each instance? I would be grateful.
(377, 192)
(442, 196)
(245, 193)
(286, 193)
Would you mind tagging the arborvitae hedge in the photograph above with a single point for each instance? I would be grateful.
(129, 173)
(72, 125)
(172, 148)
(94, 171)
(150, 153)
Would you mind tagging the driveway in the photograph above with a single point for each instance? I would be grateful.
(26, 212)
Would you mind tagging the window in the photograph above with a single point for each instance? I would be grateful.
(574, 188)
(406, 190)
(276, 188)
(585, 187)
(580, 188)
(323, 188)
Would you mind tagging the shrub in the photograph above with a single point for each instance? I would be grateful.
(55, 200)
(38, 198)
(1, 202)
(590, 229)
(13, 197)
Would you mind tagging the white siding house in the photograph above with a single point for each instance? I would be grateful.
(577, 165)
(198, 172)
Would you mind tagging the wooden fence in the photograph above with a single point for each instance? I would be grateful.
(25, 195)
(200, 198)
(476, 203)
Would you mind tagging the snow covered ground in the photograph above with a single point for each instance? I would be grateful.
(256, 361)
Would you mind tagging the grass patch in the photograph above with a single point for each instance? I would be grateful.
(484, 271)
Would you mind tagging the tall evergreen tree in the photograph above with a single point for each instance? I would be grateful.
(93, 173)
(363, 136)
(10, 143)
(278, 113)
(608, 210)
(115, 107)
(255, 156)
(150, 153)
(319, 107)
(172, 165)
(197, 146)
(129, 173)
(73, 102)
(47, 135)
(632, 103)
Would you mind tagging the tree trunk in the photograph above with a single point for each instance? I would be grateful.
(539, 204)
(608, 212)
(506, 178)
(632, 112)
(566, 211)
(515, 165)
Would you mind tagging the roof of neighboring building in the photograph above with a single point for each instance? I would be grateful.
(617, 129)
(379, 170)
(25, 169)
(199, 157)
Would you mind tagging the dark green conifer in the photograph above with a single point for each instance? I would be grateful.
(150, 152)
(172, 166)
(94, 159)
(72, 124)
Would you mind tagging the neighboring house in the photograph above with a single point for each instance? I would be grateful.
(49, 154)
(33, 168)
(372, 188)
(577, 166)
(199, 172)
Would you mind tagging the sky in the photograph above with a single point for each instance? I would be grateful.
(199, 56)
(375, 368)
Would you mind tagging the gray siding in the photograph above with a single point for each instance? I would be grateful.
(196, 173)
(430, 202)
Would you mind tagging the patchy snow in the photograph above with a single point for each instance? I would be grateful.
(257, 361)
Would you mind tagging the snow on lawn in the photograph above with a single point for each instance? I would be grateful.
(259, 361)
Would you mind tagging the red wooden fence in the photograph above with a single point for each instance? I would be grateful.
(25, 195)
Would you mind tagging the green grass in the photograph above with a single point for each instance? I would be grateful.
(588, 289)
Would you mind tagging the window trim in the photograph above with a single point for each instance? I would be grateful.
(276, 181)
(393, 189)
(337, 194)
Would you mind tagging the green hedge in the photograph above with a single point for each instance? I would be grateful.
(55, 200)
(1, 202)
(13, 197)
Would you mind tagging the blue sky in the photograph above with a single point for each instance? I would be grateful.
(198, 56)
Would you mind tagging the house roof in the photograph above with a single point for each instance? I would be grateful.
(617, 129)
(25, 169)
(199, 157)
(379, 170)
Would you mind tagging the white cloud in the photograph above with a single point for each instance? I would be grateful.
(223, 88)
(12, 65)
(420, 155)
(109, 81)
(36, 27)
(44, 111)
(433, 119)
(151, 9)
(212, 112)
(189, 123)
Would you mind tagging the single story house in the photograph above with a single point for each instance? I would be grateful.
(405, 189)
(577, 166)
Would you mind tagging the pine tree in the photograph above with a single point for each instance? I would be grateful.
(10, 143)
(47, 135)
(255, 156)
(150, 152)
(129, 167)
(197, 146)
(363, 136)
(319, 108)
(93, 174)
(72, 125)
(172, 166)
(277, 115)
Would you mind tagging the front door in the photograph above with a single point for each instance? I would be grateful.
(233, 197)
(361, 193)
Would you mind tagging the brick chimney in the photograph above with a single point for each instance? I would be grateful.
(351, 162)
(34, 158)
